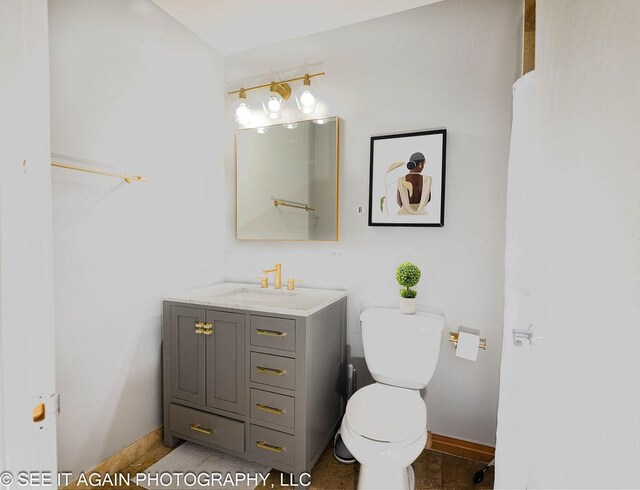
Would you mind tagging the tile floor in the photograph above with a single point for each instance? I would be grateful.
(433, 470)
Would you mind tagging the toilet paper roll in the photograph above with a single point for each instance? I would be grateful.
(468, 345)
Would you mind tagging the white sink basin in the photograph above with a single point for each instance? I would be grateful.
(259, 296)
(300, 302)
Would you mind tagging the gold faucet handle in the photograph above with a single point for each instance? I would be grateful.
(291, 284)
(264, 281)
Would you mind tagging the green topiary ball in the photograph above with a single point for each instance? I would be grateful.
(408, 293)
(408, 274)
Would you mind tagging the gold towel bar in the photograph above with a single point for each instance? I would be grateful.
(127, 178)
(453, 338)
(306, 207)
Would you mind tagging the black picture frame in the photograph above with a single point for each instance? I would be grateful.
(442, 132)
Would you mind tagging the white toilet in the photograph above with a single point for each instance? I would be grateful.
(385, 424)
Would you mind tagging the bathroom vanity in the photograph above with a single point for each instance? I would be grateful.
(255, 372)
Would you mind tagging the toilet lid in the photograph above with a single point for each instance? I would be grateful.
(387, 413)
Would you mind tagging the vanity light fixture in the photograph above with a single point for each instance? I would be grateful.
(305, 98)
(242, 110)
(279, 93)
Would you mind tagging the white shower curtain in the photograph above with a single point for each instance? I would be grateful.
(511, 447)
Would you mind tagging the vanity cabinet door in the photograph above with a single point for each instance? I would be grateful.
(187, 354)
(225, 361)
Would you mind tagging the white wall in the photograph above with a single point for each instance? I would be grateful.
(449, 65)
(134, 89)
(26, 262)
(586, 412)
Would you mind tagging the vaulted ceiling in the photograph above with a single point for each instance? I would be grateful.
(231, 26)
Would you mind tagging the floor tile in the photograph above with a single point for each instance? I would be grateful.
(433, 470)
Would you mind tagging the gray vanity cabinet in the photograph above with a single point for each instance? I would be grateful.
(224, 375)
(188, 359)
(207, 363)
(265, 386)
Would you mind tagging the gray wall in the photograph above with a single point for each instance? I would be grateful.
(449, 64)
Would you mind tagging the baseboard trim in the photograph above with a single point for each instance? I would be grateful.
(460, 447)
(125, 456)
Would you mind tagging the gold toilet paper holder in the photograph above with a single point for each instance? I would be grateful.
(453, 338)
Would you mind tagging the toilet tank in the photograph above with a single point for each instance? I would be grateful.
(401, 350)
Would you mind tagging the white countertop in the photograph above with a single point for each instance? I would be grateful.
(299, 302)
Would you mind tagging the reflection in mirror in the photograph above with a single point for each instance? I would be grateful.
(287, 181)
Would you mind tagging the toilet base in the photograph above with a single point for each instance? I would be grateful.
(370, 478)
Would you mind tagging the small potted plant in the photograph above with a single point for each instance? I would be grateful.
(408, 275)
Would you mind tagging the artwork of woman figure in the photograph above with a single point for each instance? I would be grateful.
(414, 189)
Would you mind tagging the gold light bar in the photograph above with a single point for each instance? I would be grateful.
(306, 207)
(127, 178)
(277, 83)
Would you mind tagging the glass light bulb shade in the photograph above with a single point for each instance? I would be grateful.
(273, 106)
(242, 112)
(306, 100)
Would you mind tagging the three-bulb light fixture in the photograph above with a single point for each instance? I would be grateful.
(279, 93)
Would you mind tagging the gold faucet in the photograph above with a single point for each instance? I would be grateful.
(277, 275)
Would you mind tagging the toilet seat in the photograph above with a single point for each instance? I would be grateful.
(387, 414)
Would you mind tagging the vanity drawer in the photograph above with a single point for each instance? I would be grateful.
(274, 408)
(272, 445)
(277, 333)
(207, 427)
(273, 370)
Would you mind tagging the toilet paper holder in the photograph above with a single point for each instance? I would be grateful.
(453, 338)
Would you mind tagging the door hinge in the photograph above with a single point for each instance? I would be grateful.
(54, 403)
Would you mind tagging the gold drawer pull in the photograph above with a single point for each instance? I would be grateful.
(273, 372)
(265, 408)
(202, 430)
(271, 333)
(269, 447)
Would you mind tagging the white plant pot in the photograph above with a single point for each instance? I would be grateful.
(408, 306)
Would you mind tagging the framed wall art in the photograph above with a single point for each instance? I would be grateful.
(406, 179)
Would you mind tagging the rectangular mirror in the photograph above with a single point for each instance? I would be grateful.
(287, 181)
